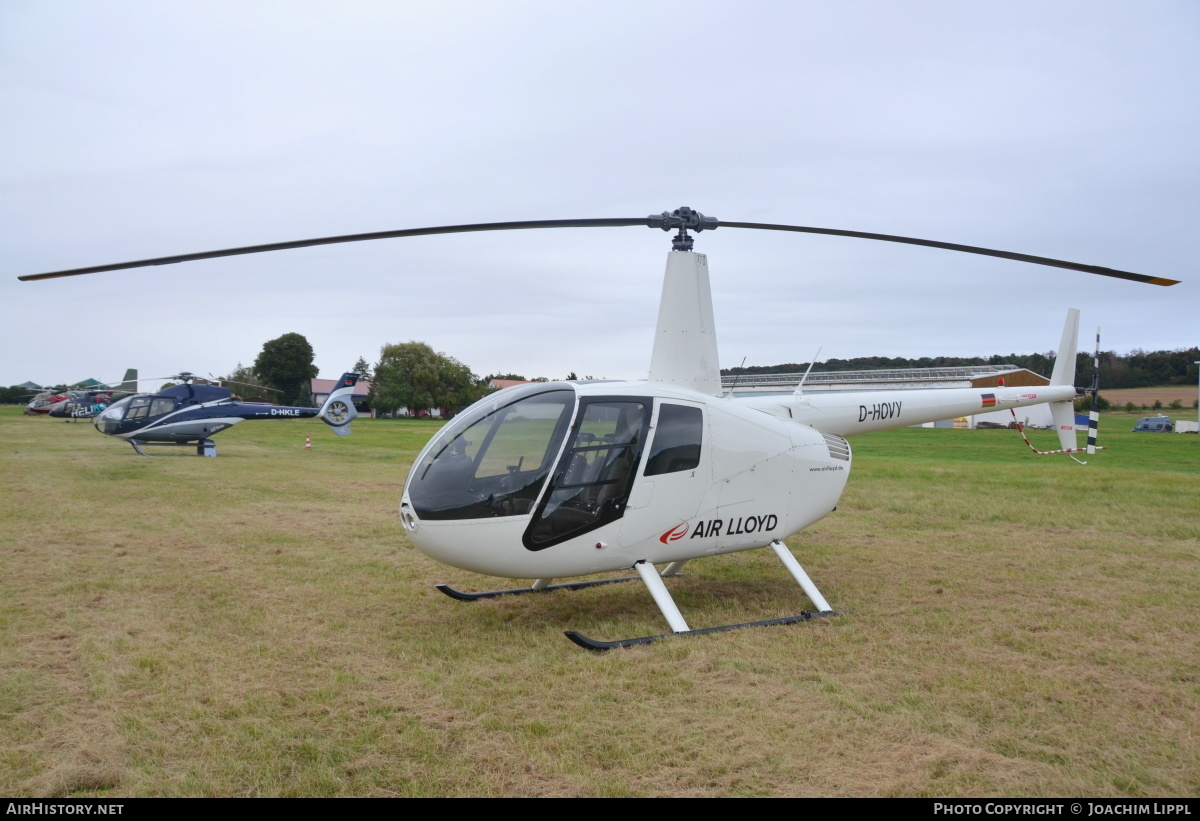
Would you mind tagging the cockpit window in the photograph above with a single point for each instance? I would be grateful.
(492, 460)
(595, 473)
(139, 408)
(162, 405)
(677, 440)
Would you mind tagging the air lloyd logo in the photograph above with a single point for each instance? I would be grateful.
(708, 528)
(674, 535)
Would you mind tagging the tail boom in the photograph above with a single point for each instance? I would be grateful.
(846, 414)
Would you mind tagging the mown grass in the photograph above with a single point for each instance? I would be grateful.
(257, 624)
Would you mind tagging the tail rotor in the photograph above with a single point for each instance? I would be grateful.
(1064, 412)
(338, 411)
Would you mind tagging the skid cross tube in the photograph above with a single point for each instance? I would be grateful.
(662, 598)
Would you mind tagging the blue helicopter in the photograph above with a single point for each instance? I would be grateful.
(189, 413)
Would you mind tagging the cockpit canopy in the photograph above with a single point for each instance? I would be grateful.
(495, 460)
(133, 408)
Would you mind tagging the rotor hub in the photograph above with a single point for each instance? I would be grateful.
(682, 220)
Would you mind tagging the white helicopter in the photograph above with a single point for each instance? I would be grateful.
(565, 479)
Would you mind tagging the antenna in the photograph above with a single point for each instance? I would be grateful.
(800, 387)
(736, 377)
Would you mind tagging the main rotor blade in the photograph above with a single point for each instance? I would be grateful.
(305, 243)
(969, 249)
(654, 221)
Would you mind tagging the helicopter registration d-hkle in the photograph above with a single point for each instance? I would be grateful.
(564, 479)
(190, 412)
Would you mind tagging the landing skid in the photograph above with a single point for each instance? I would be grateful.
(662, 597)
(491, 594)
(594, 644)
(205, 447)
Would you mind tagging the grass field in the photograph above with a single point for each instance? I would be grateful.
(258, 625)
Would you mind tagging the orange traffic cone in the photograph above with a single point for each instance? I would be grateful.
(307, 443)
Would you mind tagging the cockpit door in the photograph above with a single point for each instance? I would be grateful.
(674, 478)
(595, 472)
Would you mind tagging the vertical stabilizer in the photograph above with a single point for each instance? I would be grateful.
(1064, 423)
(685, 341)
(1064, 364)
(130, 383)
(1064, 374)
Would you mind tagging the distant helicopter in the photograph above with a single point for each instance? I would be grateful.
(86, 404)
(192, 412)
(41, 402)
(563, 479)
(79, 403)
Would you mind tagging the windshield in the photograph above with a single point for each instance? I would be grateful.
(493, 459)
(110, 419)
(116, 411)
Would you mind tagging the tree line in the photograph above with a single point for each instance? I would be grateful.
(1136, 369)
(408, 375)
(413, 376)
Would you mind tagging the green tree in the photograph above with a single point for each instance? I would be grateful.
(412, 375)
(15, 395)
(286, 364)
(1084, 403)
(245, 383)
(363, 369)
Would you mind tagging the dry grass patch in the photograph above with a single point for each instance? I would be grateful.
(1186, 394)
(258, 625)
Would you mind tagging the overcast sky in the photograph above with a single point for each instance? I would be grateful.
(140, 129)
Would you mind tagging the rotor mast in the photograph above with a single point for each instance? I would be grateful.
(685, 338)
